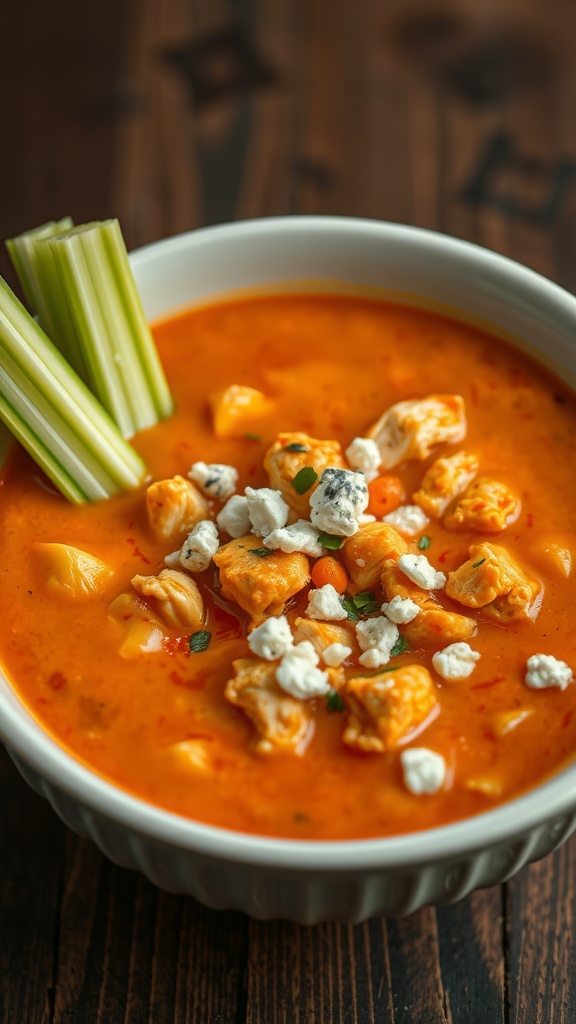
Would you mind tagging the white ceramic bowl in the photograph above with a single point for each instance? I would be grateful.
(314, 881)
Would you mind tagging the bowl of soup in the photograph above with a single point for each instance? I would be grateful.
(320, 665)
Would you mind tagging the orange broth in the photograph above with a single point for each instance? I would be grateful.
(331, 366)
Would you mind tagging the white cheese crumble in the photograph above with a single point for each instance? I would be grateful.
(267, 510)
(325, 603)
(407, 519)
(335, 654)
(214, 478)
(363, 454)
(400, 609)
(365, 517)
(424, 771)
(272, 639)
(199, 547)
(298, 675)
(376, 638)
(338, 501)
(418, 569)
(457, 661)
(300, 536)
(234, 518)
(544, 670)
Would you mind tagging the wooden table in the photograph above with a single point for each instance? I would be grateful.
(177, 113)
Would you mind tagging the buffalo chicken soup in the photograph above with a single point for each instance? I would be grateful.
(341, 606)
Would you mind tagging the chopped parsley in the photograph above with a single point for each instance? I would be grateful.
(252, 437)
(199, 641)
(400, 646)
(476, 564)
(366, 602)
(424, 543)
(349, 607)
(304, 479)
(261, 552)
(330, 541)
(296, 447)
(334, 701)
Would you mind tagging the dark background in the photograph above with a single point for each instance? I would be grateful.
(171, 114)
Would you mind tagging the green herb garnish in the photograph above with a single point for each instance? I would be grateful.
(349, 607)
(304, 479)
(476, 564)
(296, 447)
(334, 701)
(330, 541)
(424, 543)
(199, 641)
(400, 646)
(366, 602)
(252, 437)
(261, 552)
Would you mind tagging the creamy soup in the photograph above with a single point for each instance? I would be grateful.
(341, 606)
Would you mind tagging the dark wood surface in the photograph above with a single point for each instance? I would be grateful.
(176, 113)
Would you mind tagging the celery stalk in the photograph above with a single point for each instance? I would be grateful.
(87, 301)
(54, 415)
(23, 250)
(122, 365)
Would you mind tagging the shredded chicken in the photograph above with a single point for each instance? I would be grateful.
(260, 583)
(434, 626)
(444, 481)
(487, 506)
(173, 597)
(387, 708)
(281, 722)
(409, 430)
(323, 634)
(174, 507)
(285, 458)
(492, 580)
(365, 553)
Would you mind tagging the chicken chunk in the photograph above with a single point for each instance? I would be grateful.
(260, 583)
(386, 708)
(235, 409)
(434, 626)
(71, 572)
(486, 506)
(173, 597)
(323, 634)
(281, 722)
(174, 507)
(365, 553)
(409, 430)
(288, 455)
(493, 581)
(444, 481)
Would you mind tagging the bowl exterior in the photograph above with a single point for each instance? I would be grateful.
(308, 883)
(306, 897)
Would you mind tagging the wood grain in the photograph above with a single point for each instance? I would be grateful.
(176, 113)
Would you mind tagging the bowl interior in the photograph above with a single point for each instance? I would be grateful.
(406, 264)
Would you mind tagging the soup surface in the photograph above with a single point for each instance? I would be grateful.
(125, 690)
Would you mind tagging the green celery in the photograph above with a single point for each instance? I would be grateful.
(37, 286)
(54, 415)
(122, 365)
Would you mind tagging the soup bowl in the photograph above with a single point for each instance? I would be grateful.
(311, 881)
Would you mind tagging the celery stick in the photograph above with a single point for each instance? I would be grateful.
(122, 365)
(54, 415)
(23, 250)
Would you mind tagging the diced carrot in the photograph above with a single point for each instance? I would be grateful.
(329, 570)
(386, 493)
